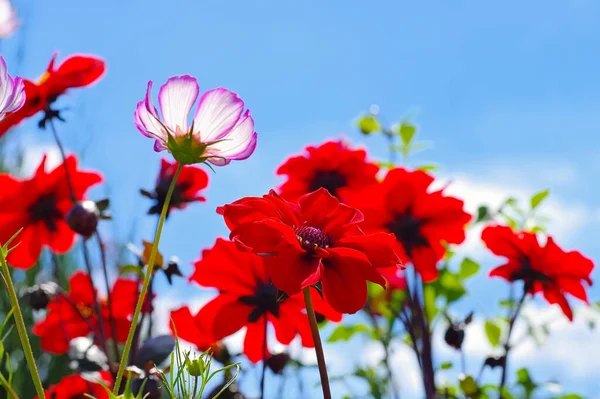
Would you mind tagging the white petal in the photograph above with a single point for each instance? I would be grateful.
(217, 113)
(239, 143)
(146, 118)
(176, 99)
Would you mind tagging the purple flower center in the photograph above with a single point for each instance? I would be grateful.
(311, 238)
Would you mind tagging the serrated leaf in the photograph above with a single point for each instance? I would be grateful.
(537, 198)
(344, 333)
(468, 268)
(407, 132)
(446, 365)
(493, 332)
(368, 124)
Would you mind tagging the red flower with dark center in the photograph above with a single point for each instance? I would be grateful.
(72, 315)
(39, 205)
(421, 220)
(547, 269)
(333, 165)
(191, 180)
(246, 297)
(75, 71)
(77, 385)
(317, 239)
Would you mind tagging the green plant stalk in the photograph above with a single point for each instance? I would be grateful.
(37, 382)
(314, 328)
(147, 277)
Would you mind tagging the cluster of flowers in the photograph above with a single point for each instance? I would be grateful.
(334, 225)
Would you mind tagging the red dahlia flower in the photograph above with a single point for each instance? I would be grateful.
(317, 239)
(420, 219)
(246, 297)
(546, 269)
(39, 205)
(77, 385)
(333, 165)
(189, 183)
(73, 314)
(75, 71)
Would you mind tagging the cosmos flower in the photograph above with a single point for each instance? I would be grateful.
(12, 94)
(547, 269)
(219, 133)
(74, 71)
(420, 219)
(39, 205)
(332, 165)
(314, 240)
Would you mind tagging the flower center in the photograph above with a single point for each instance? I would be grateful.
(44, 210)
(529, 275)
(407, 230)
(85, 310)
(177, 199)
(264, 300)
(311, 238)
(332, 180)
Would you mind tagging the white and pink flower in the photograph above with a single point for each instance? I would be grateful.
(220, 130)
(12, 91)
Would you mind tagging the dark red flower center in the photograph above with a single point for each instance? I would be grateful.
(264, 300)
(332, 180)
(311, 238)
(44, 210)
(407, 230)
(528, 274)
(160, 195)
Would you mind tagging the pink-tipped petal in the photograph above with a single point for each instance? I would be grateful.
(12, 91)
(239, 143)
(218, 112)
(146, 118)
(159, 146)
(176, 99)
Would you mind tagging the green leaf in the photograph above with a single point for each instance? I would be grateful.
(446, 365)
(451, 287)
(524, 380)
(407, 132)
(483, 214)
(134, 269)
(506, 393)
(492, 331)
(537, 198)
(468, 268)
(570, 396)
(344, 333)
(368, 124)
(428, 167)
(507, 303)
(468, 386)
(430, 306)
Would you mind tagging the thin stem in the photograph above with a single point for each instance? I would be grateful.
(314, 328)
(428, 370)
(113, 326)
(386, 354)
(150, 305)
(37, 382)
(148, 275)
(404, 317)
(264, 359)
(64, 159)
(507, 346)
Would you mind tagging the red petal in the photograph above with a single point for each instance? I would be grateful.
(425, 262)
(379, 248)
(223, 316)
(553, 296)
(254, 341)
(502, 241)
(506, 271)
(188, 330)
(291, 270)
(267, 236)
(75, 71)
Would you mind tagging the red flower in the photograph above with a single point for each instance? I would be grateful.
(73, 315)
(547, 269)
(419, 219)
(246, 297)
(76, 385)
(75, 71)
(317, 239)
(39, 205)
(191, 180)
(333, 166)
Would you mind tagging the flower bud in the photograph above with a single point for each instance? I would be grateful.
(39, 296)
(454, 336)
(195, 367)
(83, 218)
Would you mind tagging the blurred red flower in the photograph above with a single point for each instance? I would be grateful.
(39, 205)
(332, 165)
(316, 239)
(421, 220)
(191, 180)
(74, 71)
(72, 315)
(547, 269)
(77, 385)
(246, 297)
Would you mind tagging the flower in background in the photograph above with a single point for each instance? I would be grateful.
(316, 239)
(72, 315)
(420, 219)
(332, 165)
(190, 182)
(12, 94)
(39, 205)
(75, 71)
(219, 133)
(548, 269)
(246, 297)
(8, 19)
(77, 385)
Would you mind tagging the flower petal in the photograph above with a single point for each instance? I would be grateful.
(218, 112)
(291, 270)
(146, 118)
(239, 143)
(176, 99)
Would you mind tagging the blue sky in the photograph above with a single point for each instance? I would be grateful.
(508, 93)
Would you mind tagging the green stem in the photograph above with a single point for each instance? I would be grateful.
(147, 277)
(314, 328)
(37, 382)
